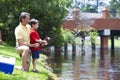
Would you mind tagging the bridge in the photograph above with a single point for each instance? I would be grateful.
(106, 26)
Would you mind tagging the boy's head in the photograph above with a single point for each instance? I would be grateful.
(34, 23)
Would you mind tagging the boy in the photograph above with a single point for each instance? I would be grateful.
(35, 38)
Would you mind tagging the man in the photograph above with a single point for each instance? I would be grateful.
(22, 35)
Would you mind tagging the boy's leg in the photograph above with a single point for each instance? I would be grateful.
(35, 56)
(34, 64)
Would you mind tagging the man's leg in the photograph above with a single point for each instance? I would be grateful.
(25, 57)
(29, 60)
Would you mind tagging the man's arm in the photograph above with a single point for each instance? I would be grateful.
(21, 43)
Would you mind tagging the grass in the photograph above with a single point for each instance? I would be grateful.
(87, 42)
(116, 42)
(44, 74)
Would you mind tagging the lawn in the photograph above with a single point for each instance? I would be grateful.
(45, 74)
(116, 42)
(87, 42)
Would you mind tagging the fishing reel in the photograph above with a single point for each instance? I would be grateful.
(47, 39)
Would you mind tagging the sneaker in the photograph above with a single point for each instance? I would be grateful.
(24, 70)
(36, 71)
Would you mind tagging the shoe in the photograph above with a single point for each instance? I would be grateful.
(24, 70)
(36, 71)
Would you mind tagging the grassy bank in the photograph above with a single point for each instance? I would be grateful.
(44, 74)
(87, 42)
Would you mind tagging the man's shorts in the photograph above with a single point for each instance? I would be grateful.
(35, 54)
(20, 50)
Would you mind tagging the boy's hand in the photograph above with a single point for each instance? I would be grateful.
(44, 42)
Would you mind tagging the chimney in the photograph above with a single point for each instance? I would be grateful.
(105, 13)
(75, 13)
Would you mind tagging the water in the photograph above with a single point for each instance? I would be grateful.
(90, 65)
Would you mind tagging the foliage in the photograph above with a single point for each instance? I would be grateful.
(67, 35)
(50, 13)
(114, 7)
(56, 37)
(90, 5)
(89, 8)
(93, 35)
(85, 30)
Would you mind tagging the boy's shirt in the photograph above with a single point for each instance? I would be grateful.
(33, 36)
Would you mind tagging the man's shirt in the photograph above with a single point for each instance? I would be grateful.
(22, 32)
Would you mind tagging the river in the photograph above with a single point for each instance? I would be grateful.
(101, 64)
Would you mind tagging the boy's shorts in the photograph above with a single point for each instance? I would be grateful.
(35, 54)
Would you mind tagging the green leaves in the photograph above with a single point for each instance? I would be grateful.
(50, 13)
(114, 7)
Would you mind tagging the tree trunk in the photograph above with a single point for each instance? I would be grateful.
(93, 45)
(73, 48)
(65, 47)
(58, 50)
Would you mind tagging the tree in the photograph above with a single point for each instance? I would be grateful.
(90, 5)
(50, 13)
(89, 8)
(114, 7)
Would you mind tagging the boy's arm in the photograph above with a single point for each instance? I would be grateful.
(43, 42)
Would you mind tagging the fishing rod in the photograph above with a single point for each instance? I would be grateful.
(52, 38)
(75, 34)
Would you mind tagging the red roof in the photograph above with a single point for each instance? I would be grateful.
(100, 24)
(71, 24)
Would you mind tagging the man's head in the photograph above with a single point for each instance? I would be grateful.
(24, 17)
(34, 23)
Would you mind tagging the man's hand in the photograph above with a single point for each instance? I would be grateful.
(20, 42)
(36, 45)
(33, 45)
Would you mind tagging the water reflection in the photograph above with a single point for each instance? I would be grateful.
(104, 65)
(89, 64)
